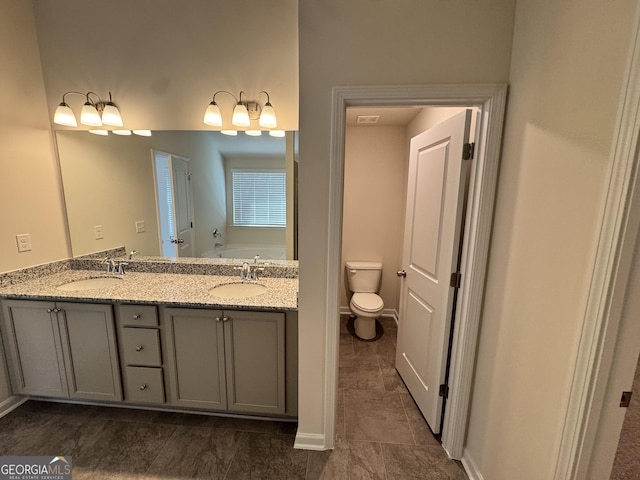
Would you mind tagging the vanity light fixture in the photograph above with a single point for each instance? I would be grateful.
(253, 133)
(122, 132)
(231, 133)
(243, 113)
(104, 133)
(276, 133)
(95, 112)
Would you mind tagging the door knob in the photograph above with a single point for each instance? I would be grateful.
(401, 273)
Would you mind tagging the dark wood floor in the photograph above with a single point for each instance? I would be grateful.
(380, 434)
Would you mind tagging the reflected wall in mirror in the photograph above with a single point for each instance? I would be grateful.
(119, 190)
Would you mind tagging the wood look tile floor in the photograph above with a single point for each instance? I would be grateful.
(380, 433)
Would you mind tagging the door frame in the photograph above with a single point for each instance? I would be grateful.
(491, 99)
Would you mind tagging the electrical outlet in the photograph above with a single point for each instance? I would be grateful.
(24, 242)
(140, 226)
(97, 229)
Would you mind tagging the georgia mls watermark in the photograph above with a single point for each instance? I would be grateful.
(35, 468)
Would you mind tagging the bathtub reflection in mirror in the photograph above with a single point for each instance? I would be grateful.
(172, 194)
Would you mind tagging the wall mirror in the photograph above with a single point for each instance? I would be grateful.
(181, 193)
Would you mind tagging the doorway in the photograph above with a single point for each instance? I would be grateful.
(174, 204)
(377, 186)
(490, 99)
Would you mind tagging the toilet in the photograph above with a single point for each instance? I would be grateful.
(366, 304)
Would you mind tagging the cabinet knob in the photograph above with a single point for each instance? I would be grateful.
(143, 386)
(137, 316)
(225, 319)
(218, 319)
(50, 310)
(139, 348)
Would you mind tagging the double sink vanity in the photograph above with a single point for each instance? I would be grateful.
(189, 336)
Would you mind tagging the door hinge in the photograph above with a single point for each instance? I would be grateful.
(444, 391)
(456, 279)
(188, 177)
(467, 151)
(626, 399)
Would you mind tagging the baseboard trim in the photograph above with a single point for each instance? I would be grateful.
(310, 441)
(470, 467)
(387, 312)
(10, 404)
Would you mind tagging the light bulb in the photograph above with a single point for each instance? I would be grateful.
(111, 115)
(268, 116)
(64, 116)
(212, 115)
(90, 116)
(240, 116)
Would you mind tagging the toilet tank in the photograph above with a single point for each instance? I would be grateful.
(364, 277)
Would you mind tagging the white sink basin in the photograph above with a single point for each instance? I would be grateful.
(90, 284)
(238, 290)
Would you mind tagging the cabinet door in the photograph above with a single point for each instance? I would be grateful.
(34, 350)
(90, 351)
(195, 358)
(255, 361)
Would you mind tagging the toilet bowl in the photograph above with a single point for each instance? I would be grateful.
(366, 307)
(366, 304)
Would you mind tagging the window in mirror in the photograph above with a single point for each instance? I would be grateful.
(259, 198)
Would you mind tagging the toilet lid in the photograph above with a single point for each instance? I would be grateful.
(369, 302)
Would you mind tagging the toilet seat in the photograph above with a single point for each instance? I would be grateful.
(367, 302)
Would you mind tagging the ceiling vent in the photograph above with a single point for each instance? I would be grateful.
(367, 119)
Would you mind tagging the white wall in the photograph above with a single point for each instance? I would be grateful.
(374, 186)
(163, 60)
(360, 43)
(30, 198)
(566, 74)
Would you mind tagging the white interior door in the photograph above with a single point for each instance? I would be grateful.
(182, 206)
(435, 200)
(174, 204)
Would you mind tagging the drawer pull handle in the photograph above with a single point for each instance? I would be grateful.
(143, 386)
(137, 316)
(139, 348)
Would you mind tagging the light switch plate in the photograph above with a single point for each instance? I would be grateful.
(24, 242)
(140, 226)
(97, 229)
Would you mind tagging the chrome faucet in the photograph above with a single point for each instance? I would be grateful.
(111, 264)
(132, 253)
(121, 266)
(250, 271)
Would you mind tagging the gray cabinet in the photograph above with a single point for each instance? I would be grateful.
(226, 360)
(195, 358)
(62, 350)
(254, 359)
(140, 353)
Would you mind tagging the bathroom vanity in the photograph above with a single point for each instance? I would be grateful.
(159, 340)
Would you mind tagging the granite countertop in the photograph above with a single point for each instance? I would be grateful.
(158, 288)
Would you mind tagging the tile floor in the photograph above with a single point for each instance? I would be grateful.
(380, 434)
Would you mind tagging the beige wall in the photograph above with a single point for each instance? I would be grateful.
(372, 223)
(413, 41)
(566, 72)
(109, 181)
(30, 198)
(163, 60)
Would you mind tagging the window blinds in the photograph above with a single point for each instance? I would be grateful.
(259, 198)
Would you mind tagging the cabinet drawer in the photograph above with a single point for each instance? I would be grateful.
(141, 346)
(144, 384)
(138, 315)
